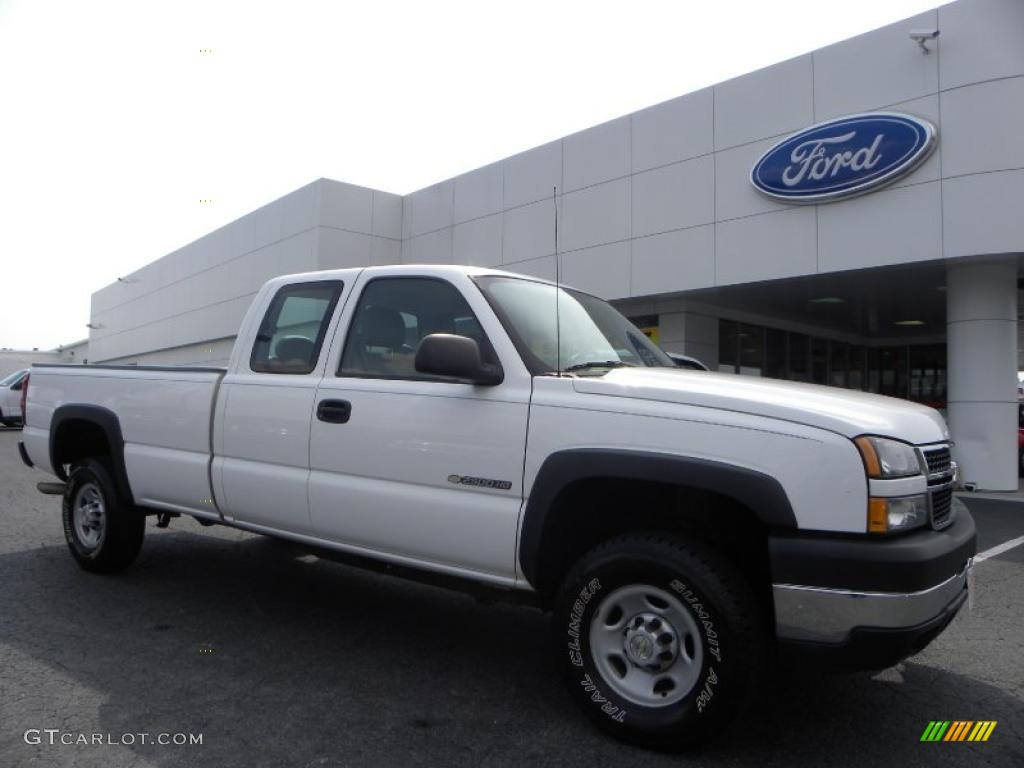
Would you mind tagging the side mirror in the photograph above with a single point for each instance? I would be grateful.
(444, 354)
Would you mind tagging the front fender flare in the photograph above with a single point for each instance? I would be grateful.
(760, 493)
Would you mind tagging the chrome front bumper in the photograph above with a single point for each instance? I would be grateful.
(824, 615)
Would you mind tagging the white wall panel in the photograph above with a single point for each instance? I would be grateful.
(674, 261)
(269, 221)
(673, 196)
(532, 175)
(431, 248)
(298, 252)
(384, 251)
(345, 206)
(982, 214)
(299, 210)
(774, 100)
(893, 226)
(603, 271)
(766, 247)
(543, 267)
(873, 70)
(479, 193)
(734, 195)
(339, 248)
(478, 242)
(597, 154)
(983, 126)
(387, 215)
(980, 40)
(431, 208)
(529, 232)
(594, 216)
(674, 130)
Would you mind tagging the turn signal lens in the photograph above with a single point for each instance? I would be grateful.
(878, 515)
(867, 452)
(900, 513)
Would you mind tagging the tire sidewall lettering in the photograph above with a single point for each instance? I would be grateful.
(579, 615)
(579, 624)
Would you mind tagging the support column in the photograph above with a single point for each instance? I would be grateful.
(981, 337)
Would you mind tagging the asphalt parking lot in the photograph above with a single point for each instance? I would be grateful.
(283, 660)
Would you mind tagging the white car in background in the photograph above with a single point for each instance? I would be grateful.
(10, 398)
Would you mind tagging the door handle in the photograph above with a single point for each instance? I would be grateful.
(334, 411)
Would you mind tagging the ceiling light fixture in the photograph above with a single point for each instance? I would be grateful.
(909, 322)
(828, 300)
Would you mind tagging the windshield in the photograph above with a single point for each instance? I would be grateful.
(13, 378)
(594, 336)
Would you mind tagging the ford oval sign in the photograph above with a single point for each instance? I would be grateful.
(843, 157)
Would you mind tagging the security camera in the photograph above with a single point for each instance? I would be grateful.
(919, 36)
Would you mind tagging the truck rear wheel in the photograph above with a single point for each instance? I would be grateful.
(103, 531)
(658, 638)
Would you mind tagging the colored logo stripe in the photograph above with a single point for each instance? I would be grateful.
(958, 730)
(982, 730)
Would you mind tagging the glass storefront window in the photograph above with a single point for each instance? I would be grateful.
(819, 361)
(855, 373)
(928, 373)
(915, 372)
(751, 349)
(892, 371)
(799, 357)
(775, 349)
(728, 335)
(839, 362)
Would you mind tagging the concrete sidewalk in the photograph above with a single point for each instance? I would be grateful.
(1016, 496)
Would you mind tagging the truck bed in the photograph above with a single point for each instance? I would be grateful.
(165, 416)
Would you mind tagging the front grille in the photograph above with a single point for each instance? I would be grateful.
(938, 460)
(942, 504)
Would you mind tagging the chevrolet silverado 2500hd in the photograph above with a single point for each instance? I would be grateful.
(682, 526)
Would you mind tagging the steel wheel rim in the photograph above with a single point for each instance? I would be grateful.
(620, 646)
(90, 515)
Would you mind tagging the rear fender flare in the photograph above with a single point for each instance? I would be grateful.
(108, 422)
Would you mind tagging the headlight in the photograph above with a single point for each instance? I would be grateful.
(885, 458)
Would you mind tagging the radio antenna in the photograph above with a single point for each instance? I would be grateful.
(558, 290)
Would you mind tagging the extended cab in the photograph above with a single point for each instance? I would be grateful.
(682, 526)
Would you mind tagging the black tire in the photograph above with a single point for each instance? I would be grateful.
(1020, 462)
(104, 542)
(697, 590)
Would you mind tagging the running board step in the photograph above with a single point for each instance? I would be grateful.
(51, 489)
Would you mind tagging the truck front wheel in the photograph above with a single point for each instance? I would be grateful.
(659, 639)
(103, 531)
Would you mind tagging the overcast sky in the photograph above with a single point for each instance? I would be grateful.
(116, 122)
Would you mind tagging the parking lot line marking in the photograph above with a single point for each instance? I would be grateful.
(999, 549)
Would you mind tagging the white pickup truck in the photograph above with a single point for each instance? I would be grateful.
(683, 527)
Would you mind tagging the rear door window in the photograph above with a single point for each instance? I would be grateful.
(292, 333)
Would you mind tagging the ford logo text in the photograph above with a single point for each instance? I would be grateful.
(844, 157)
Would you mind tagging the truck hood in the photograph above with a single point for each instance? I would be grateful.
(845, 411)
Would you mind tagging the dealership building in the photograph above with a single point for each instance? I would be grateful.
(851, 217)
